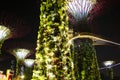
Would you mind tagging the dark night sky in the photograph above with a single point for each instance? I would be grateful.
(106, 24)
(106, 20)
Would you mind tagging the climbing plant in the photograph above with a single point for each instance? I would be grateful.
(53, 57)
(85, 60)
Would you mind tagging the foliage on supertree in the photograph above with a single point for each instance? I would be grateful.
(53, 57)
(85, 60)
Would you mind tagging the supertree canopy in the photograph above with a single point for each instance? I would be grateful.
(80, 8)
(78, 12)
(4, 34)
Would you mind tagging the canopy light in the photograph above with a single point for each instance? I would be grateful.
(29, 62)
(80, 9)
(4, 32)
(108, 63)
(20, 54)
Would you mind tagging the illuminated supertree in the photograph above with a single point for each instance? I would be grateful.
(80, 8)
(78, 12)
(21, 50)
(85, 60)
(108, 65)
(28, 68)
(4, 34)
(20, 55)
(53, 57)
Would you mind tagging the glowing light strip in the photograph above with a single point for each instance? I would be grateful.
(93, 38)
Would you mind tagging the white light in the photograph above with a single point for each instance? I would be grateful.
(79, 8)
(70, 42)
(29, 62)
(4, 32)
(20, 53)
(65, 68)
(108, 63)
(1, 72)
(22, 76)
(54, 39)
(51, 75)
(49, 66)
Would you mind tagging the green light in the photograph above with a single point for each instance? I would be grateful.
(53, 56)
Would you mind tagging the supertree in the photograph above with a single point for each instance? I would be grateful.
(84, 54)
(4, 34)
(11, 26)
(78, 12)
(53, 57)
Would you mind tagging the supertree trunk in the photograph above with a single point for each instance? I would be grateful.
(85, 60)
(28, 73)
(53, 57)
